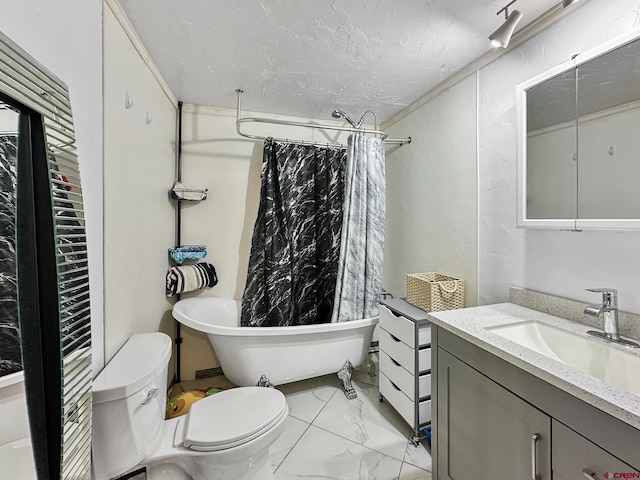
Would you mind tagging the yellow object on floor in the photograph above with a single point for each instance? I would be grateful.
(179, 403)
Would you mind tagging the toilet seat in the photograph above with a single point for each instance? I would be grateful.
(232, 417)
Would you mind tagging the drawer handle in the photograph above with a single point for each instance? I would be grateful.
(397, 315)
(394, 385)
(590, 474)
(395, 363)
(394, 338)
(534, 463)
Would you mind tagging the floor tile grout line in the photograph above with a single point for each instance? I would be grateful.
(370, 448)
(419, 468)
(293, 446)
(360, 444)
(309, 425)
(402, 461)
(324, 406)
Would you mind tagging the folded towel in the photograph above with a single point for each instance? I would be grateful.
(187, 252)
(190, 277)
(182, 191)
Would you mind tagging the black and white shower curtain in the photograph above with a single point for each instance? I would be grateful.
(295, 248)
(316, 252)
(359, 282)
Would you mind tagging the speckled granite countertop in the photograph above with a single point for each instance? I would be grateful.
(471, 324)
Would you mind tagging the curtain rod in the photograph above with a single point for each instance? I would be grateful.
(239, 121)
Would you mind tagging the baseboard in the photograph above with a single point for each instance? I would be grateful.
(208, 372)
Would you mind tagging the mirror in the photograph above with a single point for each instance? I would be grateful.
(10, 352)
(551, 148)
(44, 264)
(608, 89)
(576, 143)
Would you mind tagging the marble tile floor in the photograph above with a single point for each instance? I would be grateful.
(330, 437)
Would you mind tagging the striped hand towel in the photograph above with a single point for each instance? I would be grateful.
(188, 278)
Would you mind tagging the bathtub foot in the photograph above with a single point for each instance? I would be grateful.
(264, 382)
(344, 374)
(372, 364)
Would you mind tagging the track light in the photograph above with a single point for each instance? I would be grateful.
(501, 37)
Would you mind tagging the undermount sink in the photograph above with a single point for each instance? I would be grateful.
(594, 357)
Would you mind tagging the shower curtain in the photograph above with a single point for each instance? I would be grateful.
(359, 281)
(295, 247)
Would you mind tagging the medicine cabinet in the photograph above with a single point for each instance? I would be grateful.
(578, 145)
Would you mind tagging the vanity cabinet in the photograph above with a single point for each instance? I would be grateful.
(576, 457)
(491, 432)
(495, 420)
(405, 362)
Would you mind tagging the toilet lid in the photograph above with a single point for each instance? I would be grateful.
(232, 417)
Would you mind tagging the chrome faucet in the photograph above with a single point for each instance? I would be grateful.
(609, 311)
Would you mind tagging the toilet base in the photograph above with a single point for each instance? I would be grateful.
(257, 467)
(249, 461)
(167, 471)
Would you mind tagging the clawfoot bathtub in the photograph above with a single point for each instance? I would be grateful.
(283, 354)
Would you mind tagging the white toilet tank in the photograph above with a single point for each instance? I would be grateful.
(129, 404)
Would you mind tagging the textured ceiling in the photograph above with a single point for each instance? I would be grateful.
(309, 57)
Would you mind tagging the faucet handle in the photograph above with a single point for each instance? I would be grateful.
(609, 295)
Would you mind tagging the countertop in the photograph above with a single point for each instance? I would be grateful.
(471, 324)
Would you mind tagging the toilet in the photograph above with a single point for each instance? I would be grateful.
(224, 436)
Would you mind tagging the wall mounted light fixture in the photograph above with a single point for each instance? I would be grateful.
(502, 36)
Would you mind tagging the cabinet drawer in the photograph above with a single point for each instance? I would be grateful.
(398, 350)
(397, 325)
(424, 336)
(403, 379)
(403, 405)
(573, 454)
(403, 354)
(424, 359)
(424, 385)
(425, 412)
(403, 328)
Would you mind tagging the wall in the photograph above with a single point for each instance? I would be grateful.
(71, 49)
(8, 122)
(562, 263)
(217, 158)
(15, 421)
(432, 192)
(139, 170)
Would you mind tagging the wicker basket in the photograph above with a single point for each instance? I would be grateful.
(434, 292)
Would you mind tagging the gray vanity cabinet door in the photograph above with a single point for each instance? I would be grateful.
(484, 432)
(576, 457)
